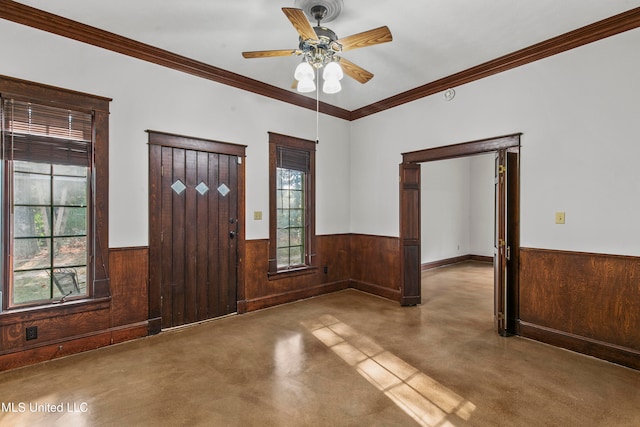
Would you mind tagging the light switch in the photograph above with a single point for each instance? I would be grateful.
(257, 215)
(559, 217)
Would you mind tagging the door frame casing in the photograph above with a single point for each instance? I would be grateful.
(203, 145)
(410, 293)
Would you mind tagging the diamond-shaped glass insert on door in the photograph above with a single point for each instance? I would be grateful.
(178, 186)
(202, 188)
(223, 190)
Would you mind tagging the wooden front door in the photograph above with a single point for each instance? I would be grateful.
(194, 229)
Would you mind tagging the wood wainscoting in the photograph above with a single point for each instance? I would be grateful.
(367, 263)
(585, 302)
(77, 326)
(329, 274)
(375, 265)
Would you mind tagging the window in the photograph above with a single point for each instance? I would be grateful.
(50, 225)
(292, 203)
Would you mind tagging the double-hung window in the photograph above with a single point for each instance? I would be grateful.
(47, 152)
(50, 226)
(292, 203)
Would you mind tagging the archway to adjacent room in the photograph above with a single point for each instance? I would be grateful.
(507, 219)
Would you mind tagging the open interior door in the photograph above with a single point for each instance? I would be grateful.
(500, 248)
(410, 290)
(507, 240)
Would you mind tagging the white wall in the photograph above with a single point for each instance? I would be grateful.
(146, 96)
(578, 112)
(444, 209)
(481, 204)
(457, 207)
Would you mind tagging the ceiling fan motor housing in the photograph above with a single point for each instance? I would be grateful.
(320, 52)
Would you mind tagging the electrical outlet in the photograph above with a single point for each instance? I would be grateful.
(32, 333)
(559, 217)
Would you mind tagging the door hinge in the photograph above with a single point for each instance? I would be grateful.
(162, 170)
(502, 169)
(161, 236)
(501, 243)
(500, 315)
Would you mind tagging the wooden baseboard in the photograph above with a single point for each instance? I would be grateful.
(155, 325)
(381, 291)
(77, 344)
(283, 298)
(602, 350)
(481, 258)
(454, 260)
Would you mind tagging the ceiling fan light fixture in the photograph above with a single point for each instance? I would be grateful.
(331, 86)
(332, 71)
(304, 71)
(306, 85)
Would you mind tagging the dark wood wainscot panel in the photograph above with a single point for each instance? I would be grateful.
(375, 265)
(77, 326)
(129, 285)
(585, 302)
(330, 274)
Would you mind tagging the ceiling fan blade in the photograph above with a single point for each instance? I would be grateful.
(269, 53)
(300, 22)
(354, 71)
(367, 38)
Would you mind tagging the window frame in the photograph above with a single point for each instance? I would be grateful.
(98, 283)
(279, 141)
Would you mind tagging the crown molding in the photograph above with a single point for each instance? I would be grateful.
(45, 21)
(588, 34)
(55, 24)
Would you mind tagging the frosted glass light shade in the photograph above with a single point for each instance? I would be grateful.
(332, 71)
(304, 71)
(306, 85)
(331, 86)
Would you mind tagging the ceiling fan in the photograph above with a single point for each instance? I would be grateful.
(320, 47)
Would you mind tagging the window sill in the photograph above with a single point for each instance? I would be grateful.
(301, 271)
(56, 309)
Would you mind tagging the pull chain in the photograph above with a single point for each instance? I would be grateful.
(317, 106)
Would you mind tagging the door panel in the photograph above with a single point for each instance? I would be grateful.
(206, 227)
(166, 239)
(513, 238)
(175, 288)
(499, 247)
(197, 253)
(506, 243)
(411, 292)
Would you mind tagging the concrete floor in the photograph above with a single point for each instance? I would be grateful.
(345, 359)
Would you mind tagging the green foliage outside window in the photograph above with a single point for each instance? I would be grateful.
(290, 185)
(49, 227)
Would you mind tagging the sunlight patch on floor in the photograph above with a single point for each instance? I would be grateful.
(427, 401)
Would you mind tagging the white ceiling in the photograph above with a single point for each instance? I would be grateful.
(431, 38)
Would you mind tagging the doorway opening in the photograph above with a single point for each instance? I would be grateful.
(507, 219)
(457, 235)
